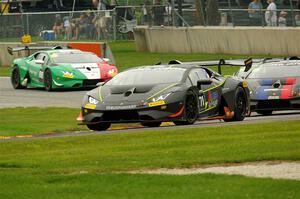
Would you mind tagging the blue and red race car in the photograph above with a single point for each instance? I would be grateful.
(274, 85)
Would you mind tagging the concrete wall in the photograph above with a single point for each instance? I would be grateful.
(6, 59)
(228, 40)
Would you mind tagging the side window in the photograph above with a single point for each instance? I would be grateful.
(193, 77)
(39, 56)
(197, 74)
(202, 74)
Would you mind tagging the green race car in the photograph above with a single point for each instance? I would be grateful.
(60, 68)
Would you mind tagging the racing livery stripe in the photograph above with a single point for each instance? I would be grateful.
(215, 86)
(287, 89)
(162, 91)
(100, 95)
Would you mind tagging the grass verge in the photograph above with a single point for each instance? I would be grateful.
(84, 167)
(143, 186)
(155, 149)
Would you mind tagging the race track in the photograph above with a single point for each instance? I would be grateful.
(10, 97)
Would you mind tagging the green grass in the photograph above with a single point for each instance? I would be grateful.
(143, 186)
(126, 56)
(84, 167)
(155, 149)
(20, 121)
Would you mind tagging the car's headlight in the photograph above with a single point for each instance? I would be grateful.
(93, 100)
(160, 98)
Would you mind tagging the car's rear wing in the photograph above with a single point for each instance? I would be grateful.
(222, 62)
(234, 62)
(29, 48)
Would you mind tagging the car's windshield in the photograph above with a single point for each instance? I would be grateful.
(144, 76)
(75, 57)
(275, 71)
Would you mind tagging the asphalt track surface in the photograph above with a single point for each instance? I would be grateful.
(10, 98)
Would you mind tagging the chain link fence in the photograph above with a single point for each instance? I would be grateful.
(119, 22)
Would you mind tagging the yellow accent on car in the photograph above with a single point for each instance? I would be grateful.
(100, 95)
(68, 75)
(158, 103)
(90, 106)
(245, 84)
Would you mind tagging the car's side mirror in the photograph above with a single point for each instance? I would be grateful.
(39, 61)
(100, 83)
(106, 59)
(203, 82)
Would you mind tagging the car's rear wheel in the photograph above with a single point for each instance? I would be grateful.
(48, 80)
(151, 124)
(16, 79)
(240, 106)
(99, 126)
(190, 110)
(264, 112)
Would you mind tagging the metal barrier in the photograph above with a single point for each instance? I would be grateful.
(119, 23)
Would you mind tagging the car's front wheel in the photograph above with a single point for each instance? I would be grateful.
(151, 124)
(99, 126)
(16, 79)
(48, 80)
(190, 108)
(240, 106)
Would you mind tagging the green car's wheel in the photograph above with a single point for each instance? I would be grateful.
(48, 80)
(191, 110)
(240, 107)
(151, 124)
(16, 79)
(99, 126)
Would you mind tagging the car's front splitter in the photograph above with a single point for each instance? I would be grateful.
(167, 112)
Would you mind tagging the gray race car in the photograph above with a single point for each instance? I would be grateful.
(180, 93)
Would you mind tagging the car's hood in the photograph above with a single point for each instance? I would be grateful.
(132, 93)
(274, 88)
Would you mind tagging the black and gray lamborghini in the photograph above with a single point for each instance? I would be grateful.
(180, 93)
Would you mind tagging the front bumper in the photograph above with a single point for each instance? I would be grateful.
(274, 105)
(75, 83)
(166, 112)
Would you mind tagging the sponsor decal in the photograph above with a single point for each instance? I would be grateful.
(158, 103)
(273, 97)
(90, 106)
(123, 107)
(213, 99)
(67, 74)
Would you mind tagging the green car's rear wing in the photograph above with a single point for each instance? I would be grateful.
(29, 48)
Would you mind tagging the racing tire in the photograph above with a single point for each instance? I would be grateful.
(190, 110)
(99, 126)
(48, 80)
(151, 124)
(264, 112)
(16, 79)
(240, 106)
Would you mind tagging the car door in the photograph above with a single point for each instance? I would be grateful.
(210, 100)
(35, 68)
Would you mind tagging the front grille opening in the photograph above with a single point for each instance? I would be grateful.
(146, 118)
(90, 82)
(274, 104)
(128, 115)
